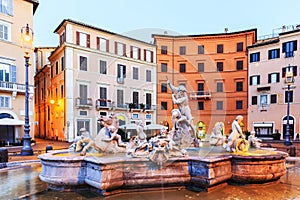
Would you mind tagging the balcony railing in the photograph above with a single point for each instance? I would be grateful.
(14, 88)
(104, 104)
(84, 102)
(200, 94)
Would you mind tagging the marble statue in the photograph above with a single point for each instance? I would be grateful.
(254, 141)
(236, 139)
(216, 137)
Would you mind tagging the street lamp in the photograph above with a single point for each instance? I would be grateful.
(289, 79)
(26, 45)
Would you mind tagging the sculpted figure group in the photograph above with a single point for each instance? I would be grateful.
(166, 143)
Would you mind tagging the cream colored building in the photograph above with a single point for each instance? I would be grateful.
(97, 72)
(14, 14)
(269, 60)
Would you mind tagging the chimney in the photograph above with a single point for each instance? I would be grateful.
(226, 30)
(283, 29)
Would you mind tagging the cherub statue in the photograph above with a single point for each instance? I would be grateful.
(254, 141)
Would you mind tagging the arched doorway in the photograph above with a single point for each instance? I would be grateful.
(7, 135)
(292, 126)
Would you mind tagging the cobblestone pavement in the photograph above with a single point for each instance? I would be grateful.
(38, 148)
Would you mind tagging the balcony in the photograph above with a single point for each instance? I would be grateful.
(200, 94)
(84, 102)
(104, 104)
(264, 107)
(15, 88)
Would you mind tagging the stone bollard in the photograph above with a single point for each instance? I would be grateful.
(3, 157)
(48, 148)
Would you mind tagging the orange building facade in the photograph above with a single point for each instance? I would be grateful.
(214, 70)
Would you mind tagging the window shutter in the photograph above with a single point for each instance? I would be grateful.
(145, 56)
(77, 38)
(13, 74)
(295, 45)
(283, 72)
(131, 51)
(152, 56)
(295, 70)
(258, 56)
(277, 77)
(283, 47)
(124, 50)
(251, 82)
(270, 54)
(139, 54)
(107, 45)
(88, 41)
(98, 43)
(269, 78)
(258, 80)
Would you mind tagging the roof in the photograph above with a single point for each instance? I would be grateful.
(35, 4)
(206, 35)
(265, 42)
(98, 29)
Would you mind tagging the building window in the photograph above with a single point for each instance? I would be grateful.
(4, 31)
(255, 57)
(62, 64)
(164, 50)
(135, 73)
(83, 39)
(254, 100)
(5, 101)
(291, 96)
(182, 67)
(239, 86)
(148, 101)
(135, 99)
(219, 105)
(239, 46)
(61, 91)
(135, 52)
(121, 73)
(255, 80)
(289, 47)
(62, 38)
(239, 65)
(83, 93)
(200, 67)
(219, 66)
(273, 78)
(148, 75)
(56, 67)
(263, 99)
(220, 48)
(182, 50)
(120, 49)
(103, 67)
(102, 44)
(164, 67)
(219, 86)
(273, 98)
(273, 53)
(120, 98)
(200, 105)
(289, 69)
(6, 7)
(164, 105)
(82, 123)
(239, 105)
(8, 73)
(201, 49)
(148, 55)
(103, 95)
(164, 88)
(83, 113)
(83, 63)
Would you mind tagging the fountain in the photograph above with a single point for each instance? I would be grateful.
(168, 160)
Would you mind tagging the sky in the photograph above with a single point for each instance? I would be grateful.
(139, 18)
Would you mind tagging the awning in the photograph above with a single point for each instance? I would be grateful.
(11, 122)
(128, 126)
(153, 127)
(263, 124)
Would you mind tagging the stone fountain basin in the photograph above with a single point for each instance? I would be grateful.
(201, 170)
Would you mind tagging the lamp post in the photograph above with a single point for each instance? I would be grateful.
(26, 45)
(289, 79)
